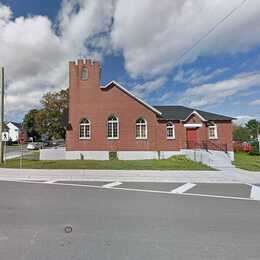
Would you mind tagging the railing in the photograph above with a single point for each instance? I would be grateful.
(219, 147)
(207, 145)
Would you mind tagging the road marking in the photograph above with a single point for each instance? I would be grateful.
(255, 192)
(112, 184)
(183, 188)
(136, 190)
(51, 181)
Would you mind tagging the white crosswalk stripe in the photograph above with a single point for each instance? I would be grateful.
(51, 181)
(255, 192)
(112, 184)
(184, 188)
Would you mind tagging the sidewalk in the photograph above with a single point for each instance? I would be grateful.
(227, 175)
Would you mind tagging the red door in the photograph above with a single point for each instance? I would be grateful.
(191, 137)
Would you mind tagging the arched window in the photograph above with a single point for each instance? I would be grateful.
(84, 129)
(170, 130)
(141, 129)
(84, 74)
(213, 131)
(112, 127)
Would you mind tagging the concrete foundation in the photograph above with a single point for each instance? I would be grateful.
(62, 154)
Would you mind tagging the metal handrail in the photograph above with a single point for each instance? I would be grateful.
(206, 145)
(220, 147)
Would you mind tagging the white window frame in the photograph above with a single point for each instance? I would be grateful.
(170, 125)
(140, 124)
(85, 124)
(215, 128)
(112, 122)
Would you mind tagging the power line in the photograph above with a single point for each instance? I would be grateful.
(211, 30)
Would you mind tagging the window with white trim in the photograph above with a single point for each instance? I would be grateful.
(141, 129)
(170, 130)
(84, 74)
(112, 127)
(213, 132)
(84, 129)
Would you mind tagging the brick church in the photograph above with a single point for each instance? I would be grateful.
(109, 120)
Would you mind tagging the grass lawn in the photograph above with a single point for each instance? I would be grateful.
(247, 162)
(173, 163)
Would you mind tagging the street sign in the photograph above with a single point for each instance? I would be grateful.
(5, 136)
(21, 137)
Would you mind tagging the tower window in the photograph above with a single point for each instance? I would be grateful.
(84, 74)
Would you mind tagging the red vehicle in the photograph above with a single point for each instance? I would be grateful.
(242, 146)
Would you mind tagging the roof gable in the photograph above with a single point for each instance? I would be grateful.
(119, 86)
(17, 125)
(194, 112)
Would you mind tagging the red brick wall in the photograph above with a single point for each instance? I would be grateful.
(88, 100)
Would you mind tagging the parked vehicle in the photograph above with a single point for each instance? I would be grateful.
(58, 142)
(47, 143)
(242, 146)
(33, 146)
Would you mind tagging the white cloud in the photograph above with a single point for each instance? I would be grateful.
(194, 77)
(153, 35)
(242, 119)
(5, 14)
(216, 93)
(35, 52)
(255, 102)
(143, 90)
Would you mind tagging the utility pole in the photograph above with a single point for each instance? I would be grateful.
(1, 113)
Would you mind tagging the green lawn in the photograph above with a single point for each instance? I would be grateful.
(173, 163)
(247, 162)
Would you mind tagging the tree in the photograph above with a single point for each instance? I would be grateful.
(253, 126)
(241, 133)
(47, 120)
(30, 124)
(54, 105)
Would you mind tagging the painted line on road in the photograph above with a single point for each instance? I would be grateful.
(183, 188)
(255, 192)
(137, 190)
(112, 184)
(50, 182)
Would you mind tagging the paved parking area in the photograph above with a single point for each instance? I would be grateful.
(222, 190)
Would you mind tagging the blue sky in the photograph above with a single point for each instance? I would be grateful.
(138, 44)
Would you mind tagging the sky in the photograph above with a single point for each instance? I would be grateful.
(197, 53)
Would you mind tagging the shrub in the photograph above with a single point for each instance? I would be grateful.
(255, 148)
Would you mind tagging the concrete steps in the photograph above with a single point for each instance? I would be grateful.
(215, 159)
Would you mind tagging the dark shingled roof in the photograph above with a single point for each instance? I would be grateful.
(181, 113)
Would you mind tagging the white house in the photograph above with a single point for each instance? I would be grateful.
(14, 130)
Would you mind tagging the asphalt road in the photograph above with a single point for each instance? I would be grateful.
(121, 224)
(14, 150)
